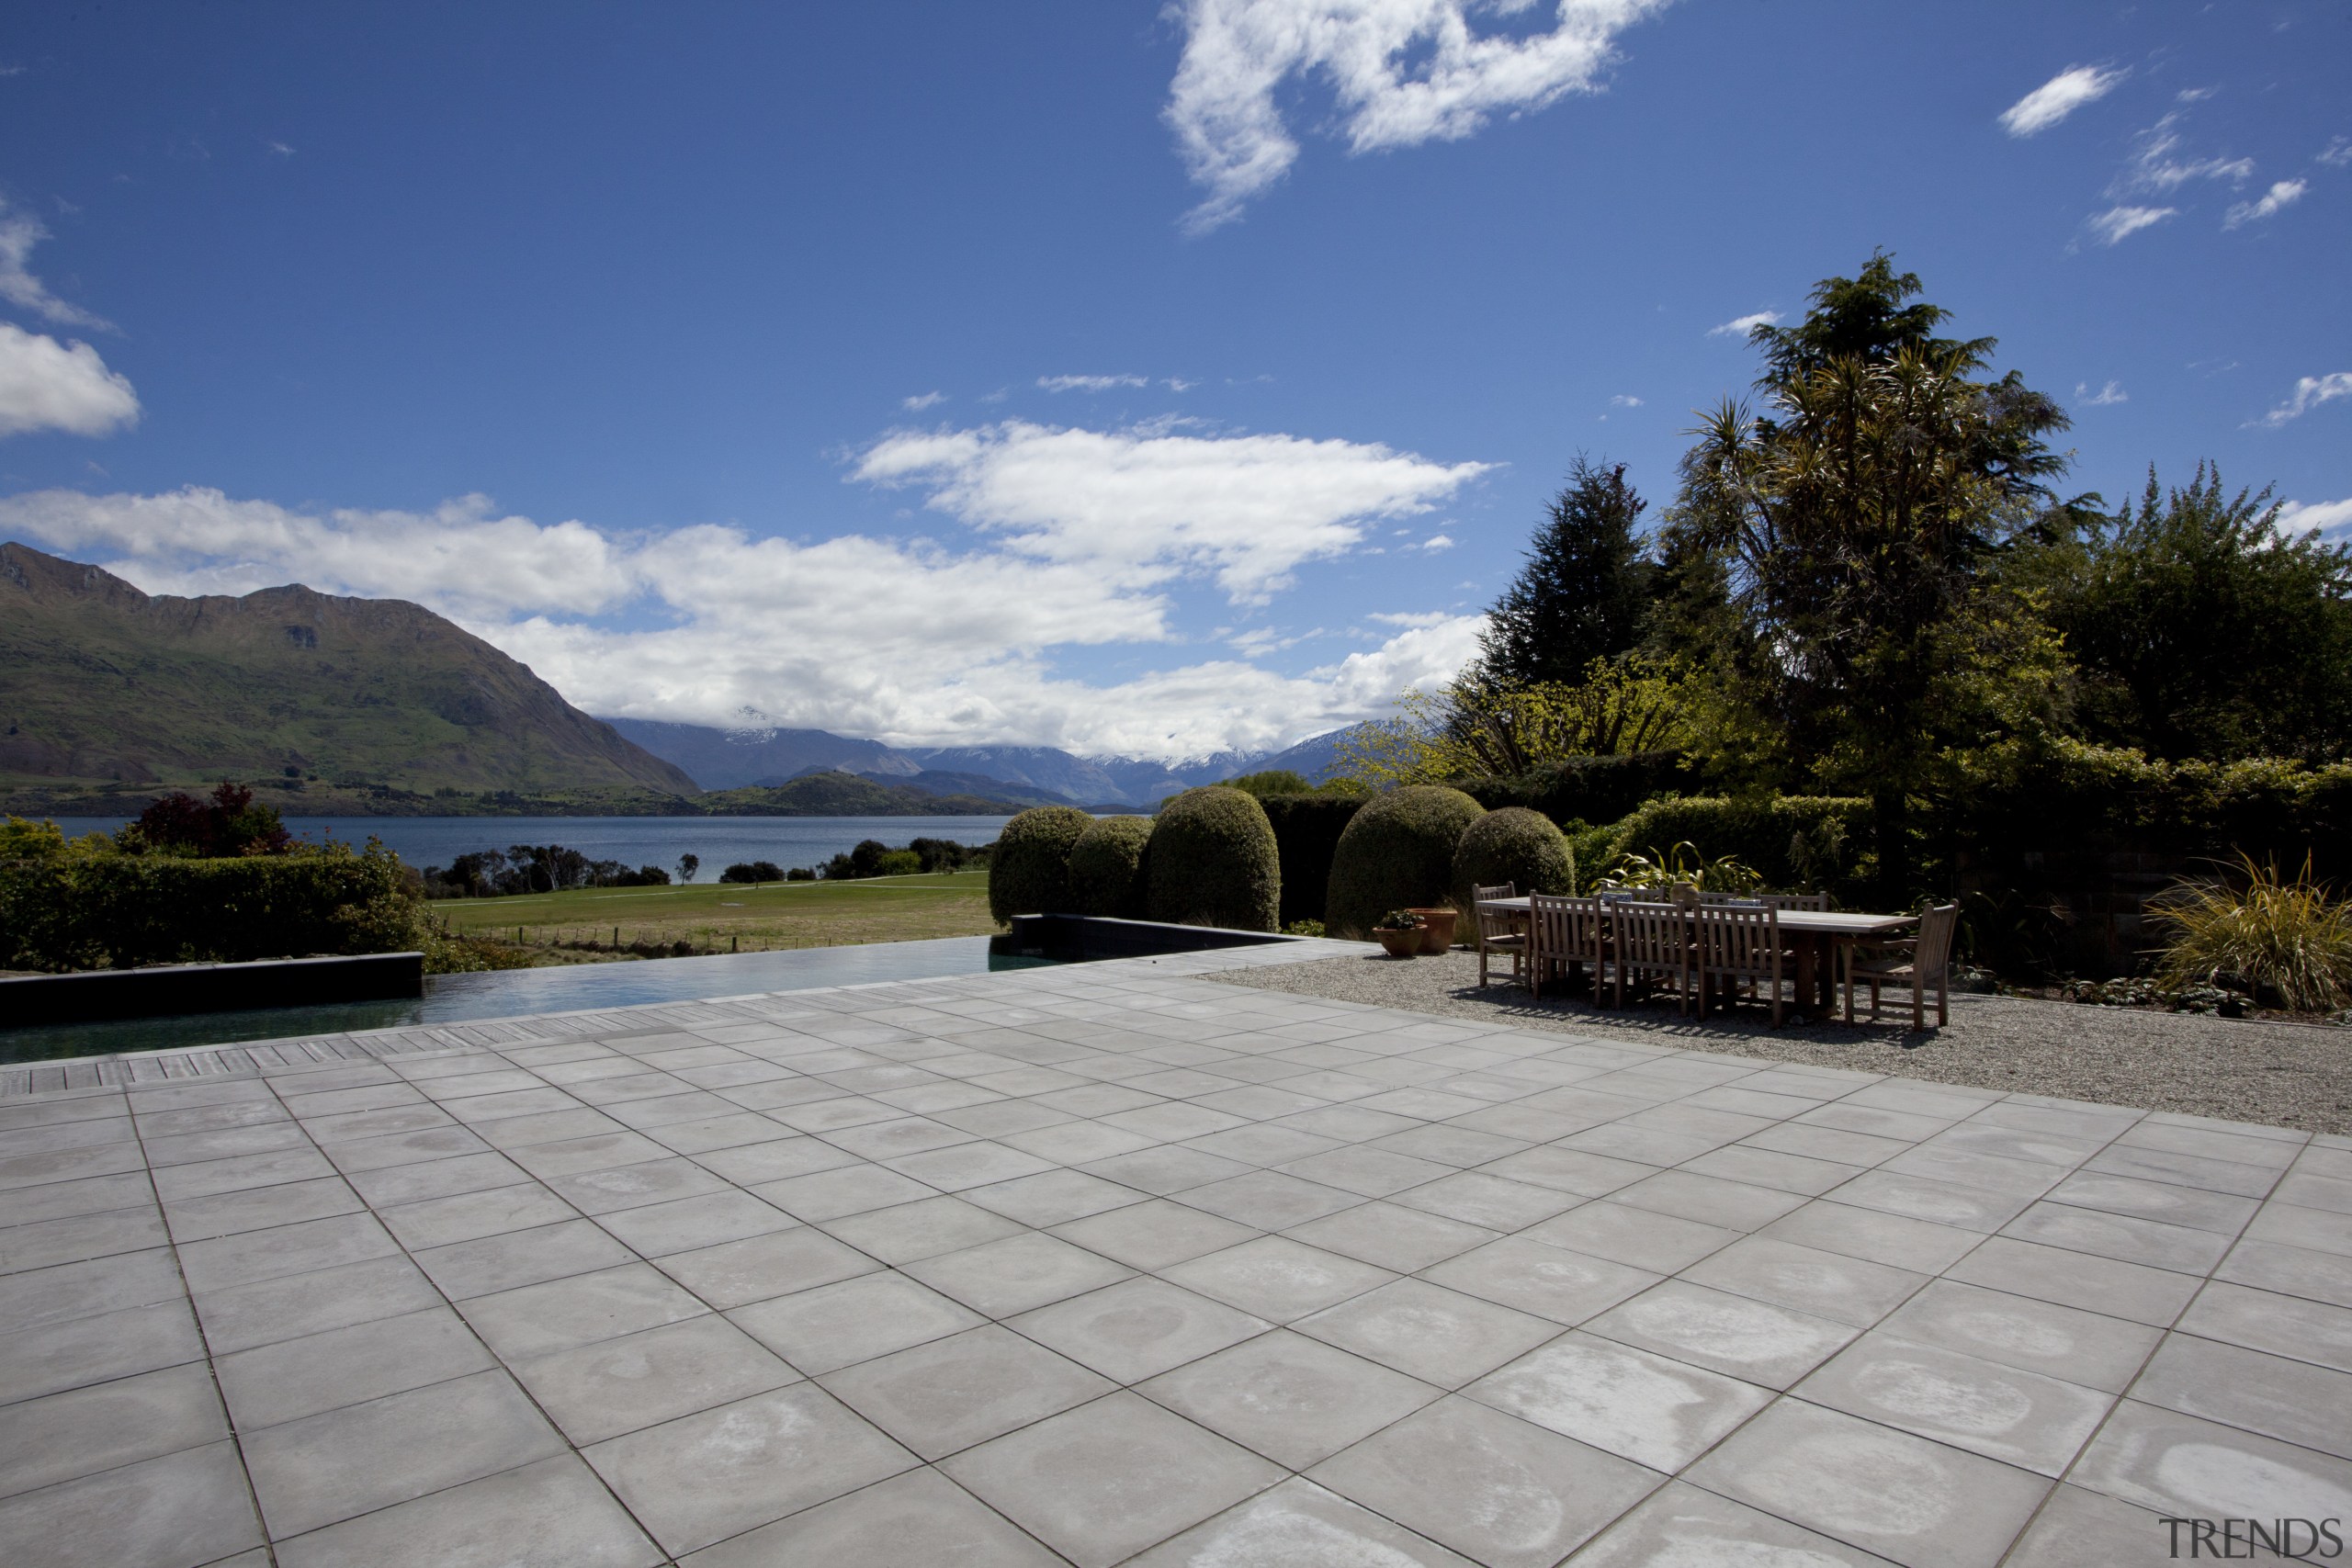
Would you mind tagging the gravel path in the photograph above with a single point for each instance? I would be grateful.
(2287, 1075)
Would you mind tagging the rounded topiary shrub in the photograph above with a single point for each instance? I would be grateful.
(1107, 867)
(1214, 863)
(1029, 872)
(1397, 852)
(1514, 845)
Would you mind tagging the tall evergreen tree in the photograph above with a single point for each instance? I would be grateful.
(1585, 591)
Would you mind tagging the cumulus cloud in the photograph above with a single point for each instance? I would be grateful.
(1625, 400)
(1073, 540)
(2312, 517)
(2283, 194)
(1140, 504)
(19, 232)
(1090, 383)
(2112, 392)
(1740, 326)
(2058, 98)
(2309, 393)
(1438, 542)
(48, 385)
(1403, 72)
(2118, 224)
(922, 401)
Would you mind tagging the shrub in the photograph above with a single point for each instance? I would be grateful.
(1513, 845)
(1107, 867)
(1029, 872)
(1788, 841)
(1397, 849)
(1591, 789)
(899, 863)
(752, 870)
(89, 908)
(1306, 831)
(2281, 939)
(1274, 781)
(1214, 862)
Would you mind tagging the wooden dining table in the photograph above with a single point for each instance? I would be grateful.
(1816, 936)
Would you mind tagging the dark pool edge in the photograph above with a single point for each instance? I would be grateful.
(172, 990)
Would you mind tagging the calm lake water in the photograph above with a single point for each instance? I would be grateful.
(788, 841)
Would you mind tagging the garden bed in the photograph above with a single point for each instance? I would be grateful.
(2287, 1075)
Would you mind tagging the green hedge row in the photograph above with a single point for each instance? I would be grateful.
(1587, 789)
(1813, 842)
(2074, 798)
(86, 910)
(1306, 834)
(1214, 862)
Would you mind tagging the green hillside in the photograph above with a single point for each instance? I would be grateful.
(851, 794)
(109, 694)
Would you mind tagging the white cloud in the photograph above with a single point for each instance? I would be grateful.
(2283, 194)
(1411, 617)
(1740, 326)
(1177, 384)
(1090, 383)
(908, 642)
(922, 400)
(2309, 392)
(2120, 223)
(2299, 517)
(19, 232)
(1438, 542)
(280, 147)
(2112, 392)
(2153, 167)
(1142, 504)
(1404, 71)
(2058, 98)
(48, 385)
(2336, 155)
(1625, 400)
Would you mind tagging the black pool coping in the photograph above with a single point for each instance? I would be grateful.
(1079, 938)
(100, 995)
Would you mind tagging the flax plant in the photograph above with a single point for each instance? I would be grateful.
(2291, 939)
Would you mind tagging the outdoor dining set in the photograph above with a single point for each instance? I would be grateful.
(1715, 948)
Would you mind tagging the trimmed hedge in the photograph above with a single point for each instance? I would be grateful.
(1589, 789)
(1396, 852)
(1818, 841)
(98, 909)
(1029, 872)
(1214, 862)
(1306, 831)
(1107, 867)
(1513, 845)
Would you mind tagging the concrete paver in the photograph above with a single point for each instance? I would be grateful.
(1108, 1264)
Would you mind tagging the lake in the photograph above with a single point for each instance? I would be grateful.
(423, 841)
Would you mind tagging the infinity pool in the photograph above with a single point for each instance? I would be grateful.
(510, 993)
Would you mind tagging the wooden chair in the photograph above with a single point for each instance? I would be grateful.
(1564, 934)
(1495, 931)
(1651, 940)
(1795, 900)
(1736, 943)
(1918, 962)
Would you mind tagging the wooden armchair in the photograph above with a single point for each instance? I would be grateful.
(1918, 962)
(1497, 933)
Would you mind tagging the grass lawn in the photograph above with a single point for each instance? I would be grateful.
(761, 915)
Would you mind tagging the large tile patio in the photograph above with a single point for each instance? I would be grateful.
(1115, 1264)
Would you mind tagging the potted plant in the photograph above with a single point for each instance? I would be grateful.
(1399, 932)
(1437, 928)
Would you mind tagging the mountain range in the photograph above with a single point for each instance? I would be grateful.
(339, 706)
(733, 759)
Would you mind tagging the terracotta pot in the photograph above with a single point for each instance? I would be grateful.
(1437, 930)
(1400, 945)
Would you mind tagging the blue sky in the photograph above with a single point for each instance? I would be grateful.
(1092, 375)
